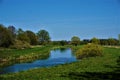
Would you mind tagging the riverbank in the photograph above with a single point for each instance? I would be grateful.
(99, 68)
(12, 56)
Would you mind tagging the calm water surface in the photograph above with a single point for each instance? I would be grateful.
(59, 56)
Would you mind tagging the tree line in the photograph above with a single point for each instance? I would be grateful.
(11, 37)
(76, 41)
(18, 38)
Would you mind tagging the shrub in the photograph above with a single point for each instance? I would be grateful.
(20, 45)
(89, 50)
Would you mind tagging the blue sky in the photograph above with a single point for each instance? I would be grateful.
(64, 18)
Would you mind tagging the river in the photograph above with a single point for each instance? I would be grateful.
(56, 57)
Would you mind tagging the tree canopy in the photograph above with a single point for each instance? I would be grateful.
(22, 36)
(112, 41)
(119, 38)
(32, 37)
(95, 40)
(43, 36)
(75, 40)
(5, 37)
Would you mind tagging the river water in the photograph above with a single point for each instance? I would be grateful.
(56, 57)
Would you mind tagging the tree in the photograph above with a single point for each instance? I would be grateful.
(12, 30)
(32, 37)
(95, 40)
(75, 40)
(5, 37)
(43, 36)
(119, 38)
(63, 42)
(20, 31)
(22, 36)
(112, 41)
(104, 41)
(85, 41)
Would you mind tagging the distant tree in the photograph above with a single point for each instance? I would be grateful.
(75, 40)
(5, 37)
(63, 42)
(20, 31)
(85, 41)
(95, 40)
(119, 38)
(43, 36)
(55, 42)
(12, 30)
(104, 41)
(32, 37)
(112, 41)
(22, 36)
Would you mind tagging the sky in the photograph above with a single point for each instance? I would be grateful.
(64, 18)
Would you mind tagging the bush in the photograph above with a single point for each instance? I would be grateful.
(20, 45)
(89, 50)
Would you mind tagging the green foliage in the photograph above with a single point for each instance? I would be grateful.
(95, 40)
(12, 30)
(20, 45)
(60, 43)
(32, 37)
(89, 50)
(63, 42)
(5, 37)
(55, 42)
(112, 41)
(119, 38)
(22, 36)
(75, 40)
(104, 41)
(43, 36)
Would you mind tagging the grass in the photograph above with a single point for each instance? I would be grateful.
(12, 56)
(106, 67)
(9, 56)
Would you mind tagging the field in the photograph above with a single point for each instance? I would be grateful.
(106, 67)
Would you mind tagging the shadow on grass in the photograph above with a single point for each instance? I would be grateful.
(114, 75)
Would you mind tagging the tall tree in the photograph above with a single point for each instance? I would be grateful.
(22, 36)
(12, 30)
(5, 37)
(75, 40)
(32, 37)
(43, 36)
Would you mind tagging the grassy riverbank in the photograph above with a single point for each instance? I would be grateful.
(12, 56)
(8, 56)
(97, 68)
